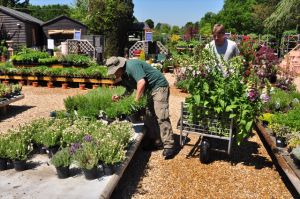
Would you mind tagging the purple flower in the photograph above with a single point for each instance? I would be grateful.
(87, 138)
(264, 97)
(74, 147)
(252, 95)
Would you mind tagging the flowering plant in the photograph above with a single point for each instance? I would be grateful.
(267, 63)
(86, 154)
(221, 88)
(52, 135)
(18, 146)
(62, 158)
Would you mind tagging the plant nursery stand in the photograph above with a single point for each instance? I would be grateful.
(4, 104)
(40, 179)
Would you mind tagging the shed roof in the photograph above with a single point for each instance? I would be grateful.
(60, 18)
(20, 15)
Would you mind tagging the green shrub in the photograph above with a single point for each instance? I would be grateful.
(62, 158)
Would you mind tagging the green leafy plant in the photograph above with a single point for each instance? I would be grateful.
(51, 136)
(18, 146)
(87, 156)
(219, 86)
(294, 140)
(62, 158)
(281, 131)
(3, 145)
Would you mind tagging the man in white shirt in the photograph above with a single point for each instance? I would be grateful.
(221, 45)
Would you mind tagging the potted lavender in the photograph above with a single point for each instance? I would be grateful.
(62, 161)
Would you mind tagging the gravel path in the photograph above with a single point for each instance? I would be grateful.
(253, 174)
(38, 102)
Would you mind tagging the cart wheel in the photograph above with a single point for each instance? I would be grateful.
(204, 152)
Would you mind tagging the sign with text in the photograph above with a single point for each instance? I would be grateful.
(77, 34)
(50, 43)
(148, 36)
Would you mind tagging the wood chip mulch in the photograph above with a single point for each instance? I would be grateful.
(250, 173)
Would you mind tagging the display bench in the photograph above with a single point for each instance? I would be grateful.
(5, 103)
(59, 79)
(282, 156)
(40, 181)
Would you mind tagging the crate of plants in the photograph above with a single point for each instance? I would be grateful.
(94, 71)
(10, 93)
(279, 126)
(90, 156)
(98, 104)
(222, 104)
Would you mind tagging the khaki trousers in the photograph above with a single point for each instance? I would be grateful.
(157, 121)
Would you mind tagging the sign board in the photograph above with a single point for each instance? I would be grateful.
(148, 36)
(50, 43)
(77, 34)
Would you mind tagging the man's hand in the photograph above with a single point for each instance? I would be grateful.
(115, 98)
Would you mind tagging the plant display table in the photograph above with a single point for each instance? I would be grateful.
(40, 181)
(5, 103)
(59, 79)
(283, 158)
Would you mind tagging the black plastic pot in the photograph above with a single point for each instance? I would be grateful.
(52, 150)
(280, 142)
(90, 174)
(108, 169)
(19, 165)
(63, 172)
(3, 164)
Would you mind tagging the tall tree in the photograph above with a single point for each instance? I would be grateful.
(48, 12)
(150, 23)
(14, 3)
(109, 17)
(286, 15)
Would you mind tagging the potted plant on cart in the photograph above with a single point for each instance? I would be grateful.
(62, 161)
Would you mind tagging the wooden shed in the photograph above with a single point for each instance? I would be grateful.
(62, 28)
(24, 29)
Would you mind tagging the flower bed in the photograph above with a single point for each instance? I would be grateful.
(90, 142)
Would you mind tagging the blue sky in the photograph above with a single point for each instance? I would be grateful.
(173, 12)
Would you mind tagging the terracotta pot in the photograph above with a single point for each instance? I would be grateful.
(35, 84)
(5, 82)
(64, 85)
(50, 84)
(3, 58)
(95, 86)
(22, 82)
(82, 86)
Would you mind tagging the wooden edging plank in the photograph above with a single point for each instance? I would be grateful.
(288, 170)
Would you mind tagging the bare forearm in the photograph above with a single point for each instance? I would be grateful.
(140, 89)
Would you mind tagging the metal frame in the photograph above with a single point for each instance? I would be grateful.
(203, 130)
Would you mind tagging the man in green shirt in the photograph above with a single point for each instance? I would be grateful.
(137, 74)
